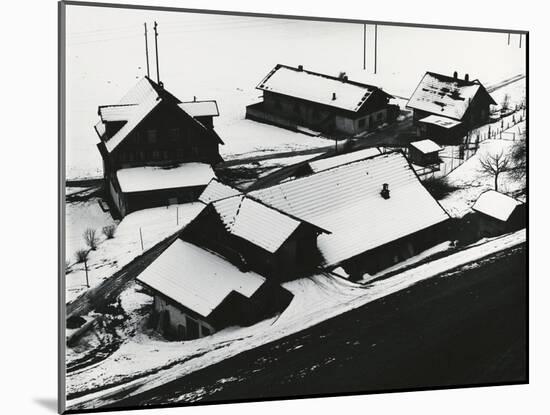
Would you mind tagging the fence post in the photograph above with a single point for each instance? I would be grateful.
(141, 238)
(177, 216)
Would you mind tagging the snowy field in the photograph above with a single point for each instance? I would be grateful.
(111, 255)
(227, 66)
(144, 361)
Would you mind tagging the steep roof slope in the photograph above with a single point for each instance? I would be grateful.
(496, 205)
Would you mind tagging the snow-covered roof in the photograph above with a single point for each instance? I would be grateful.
(216, 190)
(116, 112)
(496, 205)
(316, 87)
(200, 108)
(139, 179)
(443, 122)
(143, 98)
(346, 201)
(196, 278)
(253, 221)
(445, 95)
(426, 146)
(338, 160)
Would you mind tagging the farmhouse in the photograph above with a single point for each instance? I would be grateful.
(197, 292)
(156, 150)
(445, 107)
(296, 98)
(499, 213)
(375, 212)
(255, 236)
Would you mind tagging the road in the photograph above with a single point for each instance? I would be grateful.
(108, 291)
(465, 327)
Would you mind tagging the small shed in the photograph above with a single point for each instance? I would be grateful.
(197, 292)
(499, 213)
(424, 152)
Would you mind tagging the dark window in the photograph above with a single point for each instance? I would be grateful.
(192, 328)
(156, 155)
(173, 133)
(165, 155)
(296, 108)
(361, 123)
(142, 155)
(181, 332)
(205, 331)
(152, 136)
(380, 116)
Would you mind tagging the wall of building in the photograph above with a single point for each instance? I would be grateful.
(179, 324)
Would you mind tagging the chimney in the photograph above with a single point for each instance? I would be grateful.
(467, 77)
(334, 96)
(194, 98)
(455, 75)
(343, 77)
(300, 67)
(385, 192)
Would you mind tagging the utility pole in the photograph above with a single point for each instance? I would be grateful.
(520, 40)
(364, 46)
(157, 51)
(146, 50)
(375, 45)
(508, 39)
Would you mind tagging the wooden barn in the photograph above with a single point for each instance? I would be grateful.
(375, 212)
(303, 100)
(197, 292)
(424, 153)
(445, 107)
(498, 213)
(255, 236)
(156, 150)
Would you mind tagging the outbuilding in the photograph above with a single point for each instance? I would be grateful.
(424, 153)
(499, 213)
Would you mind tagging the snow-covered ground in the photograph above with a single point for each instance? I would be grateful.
(113, 254)
(472, 182)
(144, 361)
(226, 67)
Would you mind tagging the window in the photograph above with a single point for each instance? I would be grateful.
(173, 133)
(205, 330)
(152, 136)
(192, 328)
(380, 116)
(141, 155)
(156, 155)
(361, 122)
(165, 155)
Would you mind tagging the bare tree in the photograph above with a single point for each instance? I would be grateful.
(109, 231)
(82, 256)
(90, 238)
(519, 161)
(495, 164)
(505, 104)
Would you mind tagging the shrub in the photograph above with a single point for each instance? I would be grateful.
(90, 238)
(439, 187)
(109, 231)
(81, 255)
